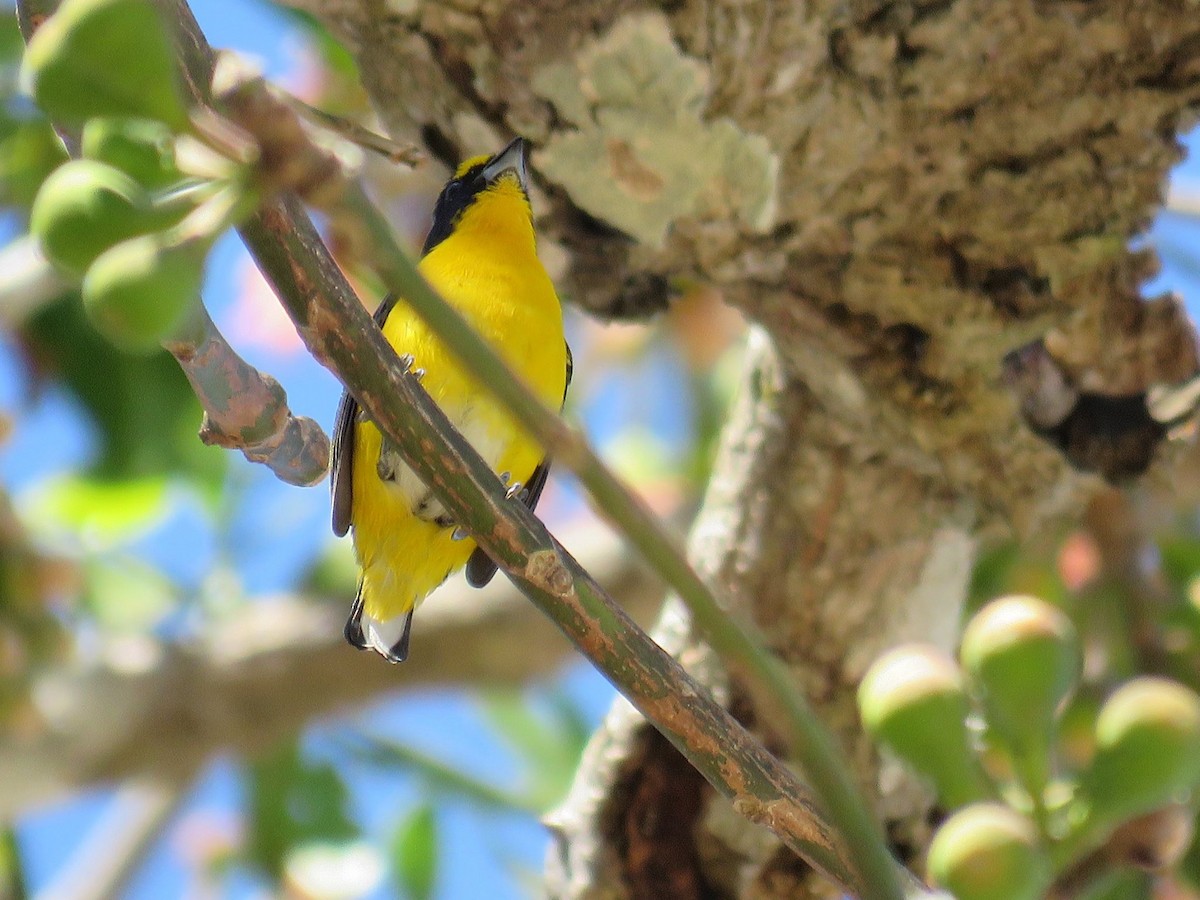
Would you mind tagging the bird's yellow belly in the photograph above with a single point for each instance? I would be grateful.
(403, 551)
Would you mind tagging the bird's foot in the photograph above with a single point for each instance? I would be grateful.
(390, 462)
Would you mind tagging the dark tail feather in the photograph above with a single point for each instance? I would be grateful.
(399, 650)
(354, 633)
(396, 653)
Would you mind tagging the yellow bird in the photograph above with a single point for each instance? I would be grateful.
(481, 256)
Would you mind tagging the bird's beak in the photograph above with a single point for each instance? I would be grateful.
(511, 158)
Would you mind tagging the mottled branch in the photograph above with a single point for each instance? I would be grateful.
(247, 410)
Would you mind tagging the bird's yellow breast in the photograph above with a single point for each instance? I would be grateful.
(488, 270)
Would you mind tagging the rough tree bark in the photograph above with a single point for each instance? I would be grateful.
(898, 194)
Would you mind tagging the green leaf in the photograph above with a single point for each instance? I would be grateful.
(127, 594)
(103, 512)
(1180, 559)
(992, 575)
(28, 154)
(550, 749)
(143, 409)
(105, 58)
(292, 802)
(415, 852)
(12, 874)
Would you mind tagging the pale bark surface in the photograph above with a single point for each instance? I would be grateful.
(898, 194)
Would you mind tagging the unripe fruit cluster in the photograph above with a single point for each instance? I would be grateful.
(109, 65)
(1018, 664)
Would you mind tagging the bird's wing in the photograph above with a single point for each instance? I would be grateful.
(480, 567)
(341, 460)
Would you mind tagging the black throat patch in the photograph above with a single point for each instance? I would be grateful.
(455, 197)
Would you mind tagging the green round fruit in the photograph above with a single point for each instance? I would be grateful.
(83, 208)
(140, 291)
(1023, 659)
(989, 852)
(912, 701)
(104, 58)
(141, 148)
(1147, 749)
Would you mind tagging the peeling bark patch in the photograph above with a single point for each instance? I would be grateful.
(639, 181)
(545, 569)
(664, 799)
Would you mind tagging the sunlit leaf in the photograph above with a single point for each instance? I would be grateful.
(127, 594)
(101, 512)
(550, 749)
(292, 802)
(415, 852)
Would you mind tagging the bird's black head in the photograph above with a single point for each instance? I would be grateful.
(473, 177)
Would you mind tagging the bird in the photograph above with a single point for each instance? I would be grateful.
(481, 256)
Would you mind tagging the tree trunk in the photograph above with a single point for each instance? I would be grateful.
(898, 195)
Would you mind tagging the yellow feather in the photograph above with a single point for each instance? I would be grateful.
(489, 271)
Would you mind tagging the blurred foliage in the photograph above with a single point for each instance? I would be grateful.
(293, 802)
(29, 149)
(30, 637)
(145, 413)
(12, 878)
(415, 852)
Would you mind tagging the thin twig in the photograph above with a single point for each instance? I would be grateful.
(338, 331)
(399, 152)
(118, 844)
